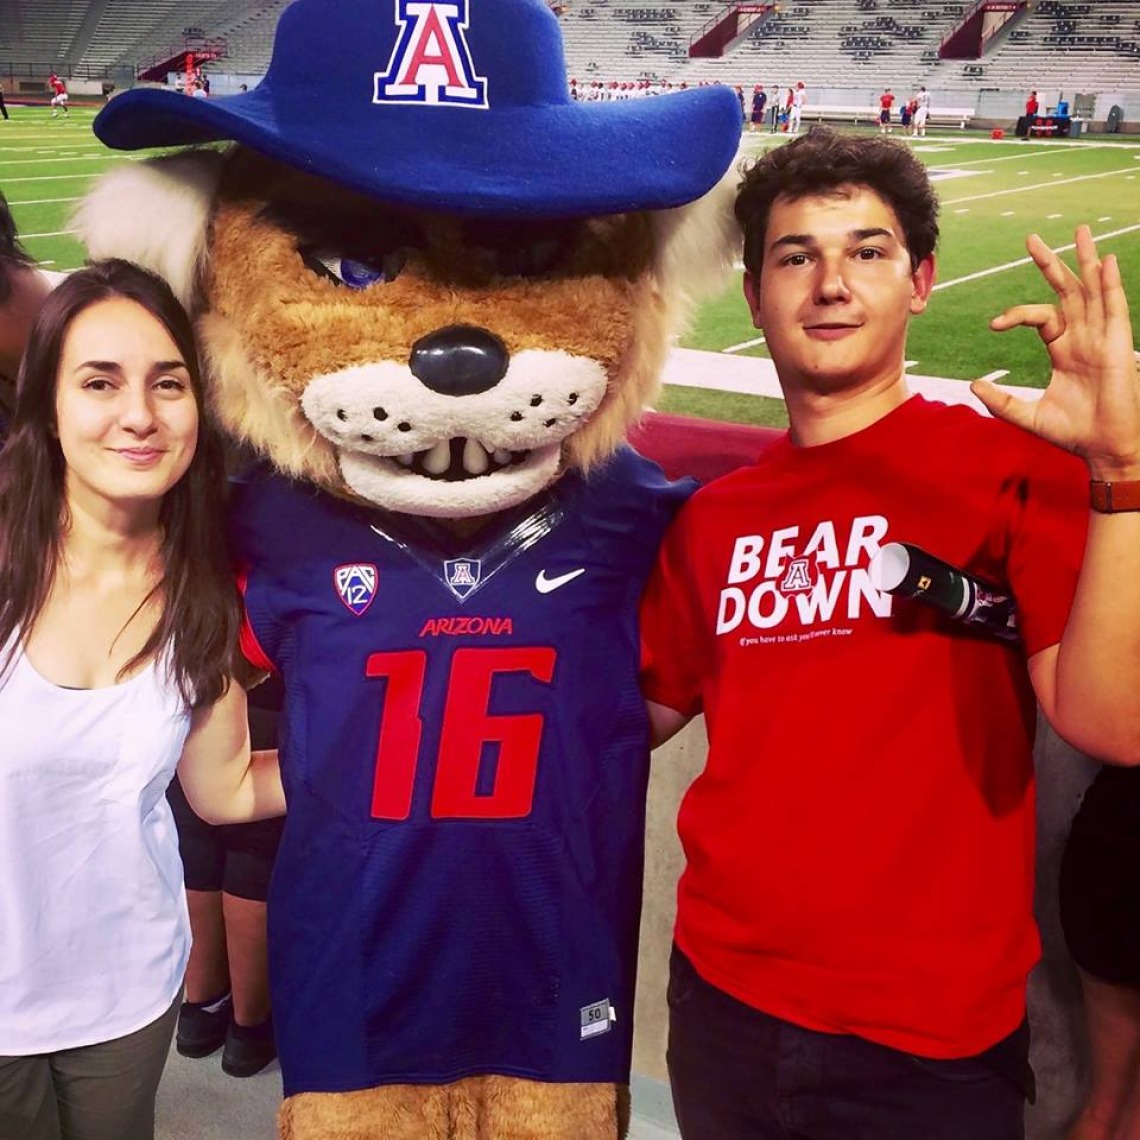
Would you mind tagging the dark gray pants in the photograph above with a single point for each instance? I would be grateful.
(739, 1074)
(98, 1092)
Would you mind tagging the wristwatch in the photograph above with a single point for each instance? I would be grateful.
(1108, 498)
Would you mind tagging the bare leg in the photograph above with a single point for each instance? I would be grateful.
(249, 965)
(207, 976)
(1112, 1015)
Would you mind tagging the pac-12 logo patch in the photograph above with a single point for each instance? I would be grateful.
(356, 585)
(462, 575)
(431, 62)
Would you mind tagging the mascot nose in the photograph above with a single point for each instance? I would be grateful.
(459, 360)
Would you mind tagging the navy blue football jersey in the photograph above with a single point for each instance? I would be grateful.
(465, 755)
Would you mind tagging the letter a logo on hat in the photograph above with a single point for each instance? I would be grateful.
(431, 62)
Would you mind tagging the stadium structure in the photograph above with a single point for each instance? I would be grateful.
(977, 59)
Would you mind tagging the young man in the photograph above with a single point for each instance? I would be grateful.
(921, 113)
(799, 97)
(886, 102)
(59, 95)
(759, 102)
(854, 924)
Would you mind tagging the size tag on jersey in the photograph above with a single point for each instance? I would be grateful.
(597, 1018)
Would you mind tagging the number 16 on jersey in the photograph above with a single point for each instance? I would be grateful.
(467, 726)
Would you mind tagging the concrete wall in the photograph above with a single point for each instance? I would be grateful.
(1058, 1045)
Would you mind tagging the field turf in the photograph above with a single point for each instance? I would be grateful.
(992, 194)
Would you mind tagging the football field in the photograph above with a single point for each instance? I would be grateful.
(992, 193)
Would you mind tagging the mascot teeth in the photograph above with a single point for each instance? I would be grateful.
(438, 460)
(453, 460)
(475, 460)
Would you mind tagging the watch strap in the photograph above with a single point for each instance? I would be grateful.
(1108, 498)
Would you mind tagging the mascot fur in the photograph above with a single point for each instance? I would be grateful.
(433, 294)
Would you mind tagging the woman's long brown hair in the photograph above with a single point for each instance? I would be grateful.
(197, 632)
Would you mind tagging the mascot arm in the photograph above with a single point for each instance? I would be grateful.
(223, 780)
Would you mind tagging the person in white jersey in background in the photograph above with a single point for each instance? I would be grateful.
(799, 96)
(921, 113)
(119, 621)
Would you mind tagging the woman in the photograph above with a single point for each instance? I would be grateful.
(118, 633)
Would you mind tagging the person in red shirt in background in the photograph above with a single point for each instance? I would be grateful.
(59, 95)
(1031, 104)
(854, 927)
(886, 102)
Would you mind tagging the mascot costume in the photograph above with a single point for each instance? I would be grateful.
(433, 293)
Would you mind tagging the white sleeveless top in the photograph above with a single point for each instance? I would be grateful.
(94, 932)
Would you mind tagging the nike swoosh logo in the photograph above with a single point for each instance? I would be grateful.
(545, 585)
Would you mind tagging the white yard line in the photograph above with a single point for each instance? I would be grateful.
(47, 178)
(1021, 154)
(41, 201)
(1029, 260)
(54, 233)
(1038, 186)
(744, 344)
(756, 376)
(43, 161)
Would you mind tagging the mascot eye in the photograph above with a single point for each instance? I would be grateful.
(531, 259)
(355, 274)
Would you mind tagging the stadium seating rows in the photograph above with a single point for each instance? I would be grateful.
(865, 44)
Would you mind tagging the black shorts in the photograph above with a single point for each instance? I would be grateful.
(236, 858)
(1100, 879)
(884, 116)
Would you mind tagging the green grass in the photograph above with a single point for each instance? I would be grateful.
(1011, 189)
(733, 407)
(1004, 191)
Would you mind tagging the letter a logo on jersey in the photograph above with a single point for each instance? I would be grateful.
(356, 585)
(431, 62)
(462, 575)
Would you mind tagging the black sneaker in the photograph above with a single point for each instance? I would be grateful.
(249, 1048)
(200, 1033)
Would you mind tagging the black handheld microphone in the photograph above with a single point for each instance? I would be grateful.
(910, 572)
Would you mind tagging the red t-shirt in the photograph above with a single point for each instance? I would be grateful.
(886, 101)
(57, 85)
(860, 845)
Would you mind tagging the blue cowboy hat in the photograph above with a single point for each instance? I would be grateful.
(455, 105)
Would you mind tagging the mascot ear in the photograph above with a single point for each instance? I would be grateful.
(155, 213)
(698, 244)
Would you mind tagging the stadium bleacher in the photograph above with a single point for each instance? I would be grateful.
(864, 45)
(844, 50)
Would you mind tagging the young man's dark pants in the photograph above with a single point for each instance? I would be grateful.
(739, 1074)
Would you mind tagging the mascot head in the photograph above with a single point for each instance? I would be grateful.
(424, 277)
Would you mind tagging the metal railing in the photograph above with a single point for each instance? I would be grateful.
(213, 46)
(963, 20)
(26, 69)
(730, 10)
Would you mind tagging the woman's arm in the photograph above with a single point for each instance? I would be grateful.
(223, 780)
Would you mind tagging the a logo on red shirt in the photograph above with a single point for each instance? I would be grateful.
(796, 579)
